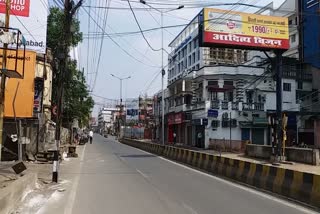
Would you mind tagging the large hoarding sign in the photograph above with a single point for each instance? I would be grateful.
(30, 17)
(24, 99)
(132, 106)
(244, 30)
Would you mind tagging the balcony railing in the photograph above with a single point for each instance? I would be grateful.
(253, 106)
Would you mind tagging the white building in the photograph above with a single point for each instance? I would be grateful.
(106, 118)
(206, 85)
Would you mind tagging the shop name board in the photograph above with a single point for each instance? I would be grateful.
(244, 30)
(17, 7)
(183, 44)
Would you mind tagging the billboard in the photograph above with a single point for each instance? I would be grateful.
(30, 17)
(24, 101)
(132, 107)
(243, 30)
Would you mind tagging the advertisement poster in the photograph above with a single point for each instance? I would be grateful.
(38, 94)
(232, 28)
(24, 99)
(132, 107)
(30, 17)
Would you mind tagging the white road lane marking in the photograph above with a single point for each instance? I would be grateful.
(141, 173)
(73, 190)
(190, 209)
(262, 194)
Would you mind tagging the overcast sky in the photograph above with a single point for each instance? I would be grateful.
(116, 61)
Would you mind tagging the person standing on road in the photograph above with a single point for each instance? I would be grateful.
(91, 136)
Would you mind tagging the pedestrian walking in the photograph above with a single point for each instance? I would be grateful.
(199, 136)
(91, 136)
(174, 138)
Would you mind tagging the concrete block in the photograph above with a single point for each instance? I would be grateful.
(12, 194)
(316, 157)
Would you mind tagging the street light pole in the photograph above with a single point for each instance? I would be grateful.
(120, 111)
(162, 80)
(163, 72)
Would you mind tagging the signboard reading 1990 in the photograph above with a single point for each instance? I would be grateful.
(244, 30)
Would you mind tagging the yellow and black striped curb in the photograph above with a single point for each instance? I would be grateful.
(301, 186)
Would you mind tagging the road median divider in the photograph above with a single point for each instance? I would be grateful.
(300, 186)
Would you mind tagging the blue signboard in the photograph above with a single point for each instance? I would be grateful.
(213, 113)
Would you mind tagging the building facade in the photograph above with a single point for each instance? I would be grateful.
(106, 120)
(222, 97)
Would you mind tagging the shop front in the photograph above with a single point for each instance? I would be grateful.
(176, 125)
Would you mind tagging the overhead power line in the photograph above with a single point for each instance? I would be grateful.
(125, 51)
(101, 45)
(135, 18)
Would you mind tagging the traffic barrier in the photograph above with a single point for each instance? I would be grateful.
(301, 186)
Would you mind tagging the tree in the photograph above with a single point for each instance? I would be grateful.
(77, 101)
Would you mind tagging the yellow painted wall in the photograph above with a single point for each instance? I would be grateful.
(25, 95)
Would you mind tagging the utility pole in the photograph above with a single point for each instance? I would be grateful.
(230, 123)
(163, 72)
(120, 110)
(279, 71)
(3, 76)
(69, 11)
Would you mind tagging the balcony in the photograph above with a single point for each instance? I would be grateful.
(253, 106)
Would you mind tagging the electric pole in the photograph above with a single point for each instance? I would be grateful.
(3, 76)
(69, 11)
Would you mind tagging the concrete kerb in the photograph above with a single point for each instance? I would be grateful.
(11, 195)
(304, 187)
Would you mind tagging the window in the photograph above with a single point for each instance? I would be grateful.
(245, 56)
(300, 85)
(195, 43)
(189, 47)
(230, 54)
(290, 22)
(293, 38)
(213, 53)
(212, 82)
(193, 58)
(215, 123)
(286, 86)
(221, 53)
(197, 67)
(228, 82)
(213, 95)
(198, 54)
(228, 96)
(189, 60)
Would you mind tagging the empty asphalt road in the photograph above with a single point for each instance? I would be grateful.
(110, 177)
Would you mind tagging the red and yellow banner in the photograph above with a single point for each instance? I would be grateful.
(232, 28)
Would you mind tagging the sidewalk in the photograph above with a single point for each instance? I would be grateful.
(294, 166)
(7, 175)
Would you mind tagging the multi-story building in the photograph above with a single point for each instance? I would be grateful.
(218, 96)
(106, 119)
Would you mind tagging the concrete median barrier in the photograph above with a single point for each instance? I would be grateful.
(301, 186)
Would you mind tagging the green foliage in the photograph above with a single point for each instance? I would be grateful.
(55, 31)
(77, 101)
